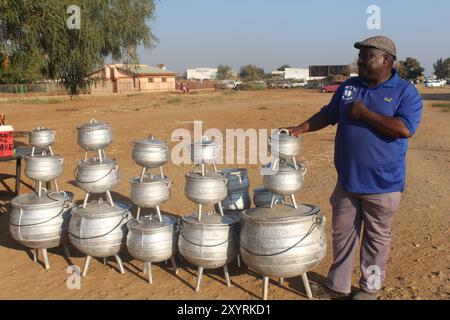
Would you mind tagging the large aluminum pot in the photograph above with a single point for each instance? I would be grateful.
(43, 167)
(282, 242)
(97, 177)
(99, 230)
(151, 192)
(236, 201)
(150, 240)
(42, 137)
(283, 145)
(40, 222)
(205, 151)
(286, 180)
(263, 197)
(94, 135)
(150, 153)
(208, 189)
(237, 179)
(210, 243)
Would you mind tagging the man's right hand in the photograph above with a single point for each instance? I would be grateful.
(295, 131)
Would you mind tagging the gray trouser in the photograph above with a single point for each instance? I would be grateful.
(350, 211)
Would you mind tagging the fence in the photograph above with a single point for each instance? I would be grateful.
(34, 89)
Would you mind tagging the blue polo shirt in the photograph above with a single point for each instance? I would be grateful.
(366, 161)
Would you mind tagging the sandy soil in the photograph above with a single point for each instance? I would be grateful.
(419, 263)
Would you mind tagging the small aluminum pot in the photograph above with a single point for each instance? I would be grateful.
(150, 153)
(94, 135)
(286, 180)
(208, 189)
(237, 179)
(42, 137)
(43, 167)
(151, 192)
(283, 145)
(263, 197)
(205, 151)
(94, 176)
(236, 201)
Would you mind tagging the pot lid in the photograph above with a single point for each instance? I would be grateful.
(96, 162)
(280, 213)
(152, 223)
(204, 142)
(149, 179)
(283, 166)
(208, 175)
(151, 141)
(47, 198)
(213, 219)
(42, 129)
(235, 171)
(42, 156)
(94, 124)
(101, 209)
(283, 135)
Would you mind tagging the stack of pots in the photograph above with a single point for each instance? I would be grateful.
(39, 220)
(151, 239)
(211, 241)
(277, 240)
(98, 229)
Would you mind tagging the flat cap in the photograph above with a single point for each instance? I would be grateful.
(379, 42)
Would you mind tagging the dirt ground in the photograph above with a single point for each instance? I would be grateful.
(419, 263)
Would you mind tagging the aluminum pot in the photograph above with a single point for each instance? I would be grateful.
(286, 180)
(205, 151)
(283, 145)
(210, 243)
(94, 176)
(42, 137)
(237, 179)
(150, 240)
(263, 197)
(99, 230)
(94, 135)
(151, 192)
(40, 222)
(150, 153)
(43, 167)
(236, 201)
(208, 189)
(282, 242)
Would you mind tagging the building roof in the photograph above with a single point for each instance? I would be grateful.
(145, 70)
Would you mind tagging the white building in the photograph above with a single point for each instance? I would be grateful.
(202, 73)
(292, 74)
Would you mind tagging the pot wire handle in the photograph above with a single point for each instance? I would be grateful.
(42, 222)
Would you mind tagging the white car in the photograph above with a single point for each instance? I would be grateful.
(435, 83)
(298, 84)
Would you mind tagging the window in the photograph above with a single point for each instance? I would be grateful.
(150, 80)
(164, 79)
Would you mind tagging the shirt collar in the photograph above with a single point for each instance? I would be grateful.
(391, 83)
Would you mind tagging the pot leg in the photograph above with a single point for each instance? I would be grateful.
(104, 154)
(144, 271)
(214, 166)
(294, 161)
(174, 264)
(281, 281)
(306, 285)
(199, 212)
(265, 287)
(220, 208)
(32, 151)
(86, 266)
(119, 262)
(100, 155)
(45, 254)
(86, 198)
(39, 189)
(158, 211)
(66, 251)
(105, 261)
(272, 202)
(138, 213)
(144, 169)
(50, 149)
(149, 272)
(199, 279)
(275, 163)
(56, 185)
(293, 201)
(35, 253)
(227, 275)
(203, 169)
(239, 261)
(162, 172)
(110, 200)
(85, 156)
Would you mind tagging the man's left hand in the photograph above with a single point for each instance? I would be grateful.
(357, 110)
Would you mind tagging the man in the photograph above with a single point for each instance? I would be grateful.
(376, 113)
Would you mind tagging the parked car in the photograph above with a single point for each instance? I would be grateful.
(332, 87)
(299, 84)
(435, 83)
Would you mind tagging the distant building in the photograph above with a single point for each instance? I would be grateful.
(202, 73)
(323, 71)
(115, 78)
(291, 74)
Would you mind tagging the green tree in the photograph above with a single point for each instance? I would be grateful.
(283, 67)
(36, 33)
(442, 68)
(251, 73)
(224, 72)
(410, 69)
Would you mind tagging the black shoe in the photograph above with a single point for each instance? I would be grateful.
(323, 292)
(364, 295)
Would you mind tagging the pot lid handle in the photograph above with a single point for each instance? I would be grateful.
(92, 121)
(151, 137)
(205, 138)
(284, 130)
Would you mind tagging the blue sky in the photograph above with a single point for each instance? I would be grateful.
(269, 33)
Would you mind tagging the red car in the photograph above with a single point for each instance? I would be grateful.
(332, 87)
